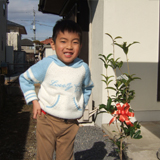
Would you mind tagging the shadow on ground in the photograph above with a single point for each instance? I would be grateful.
(14, 125)
(92, 143)
(97, 152)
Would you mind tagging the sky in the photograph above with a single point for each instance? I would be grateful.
(21, 12)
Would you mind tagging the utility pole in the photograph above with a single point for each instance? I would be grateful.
(34, 30)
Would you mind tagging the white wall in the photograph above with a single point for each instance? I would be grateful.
(49, 52)
(96, 42)
(13, 39)
(136, 20)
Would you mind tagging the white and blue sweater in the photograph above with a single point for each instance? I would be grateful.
(65, 89)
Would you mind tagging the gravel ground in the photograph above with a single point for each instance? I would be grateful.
(18, 135)
(92, 144)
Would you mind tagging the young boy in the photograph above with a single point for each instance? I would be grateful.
(64, 93)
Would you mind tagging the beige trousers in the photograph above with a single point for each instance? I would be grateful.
(55, 134)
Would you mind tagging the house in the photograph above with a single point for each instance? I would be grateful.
(14, 32)
(47, 41)
(16, 58)
(3, 29)
(10, 36)
(28, 47)
(47, 50)
(133, 21)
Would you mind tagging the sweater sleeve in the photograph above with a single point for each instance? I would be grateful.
(35, 74)
(87, 85)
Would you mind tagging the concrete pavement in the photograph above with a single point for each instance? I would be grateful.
(141, 149)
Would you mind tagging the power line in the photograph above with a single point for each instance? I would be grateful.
(44, 25)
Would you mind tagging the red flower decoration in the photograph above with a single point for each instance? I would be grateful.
(123, 113)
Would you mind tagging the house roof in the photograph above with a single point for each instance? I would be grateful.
(68, 9)
(47, 41)
(13, 25)
(26, 42)
(58, 7)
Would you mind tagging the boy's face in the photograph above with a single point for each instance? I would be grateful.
(67, 46)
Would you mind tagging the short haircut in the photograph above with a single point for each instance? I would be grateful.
(66, 25)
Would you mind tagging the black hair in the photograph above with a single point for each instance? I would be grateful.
(66, 25)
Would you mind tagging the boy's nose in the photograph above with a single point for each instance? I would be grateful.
(69, 46)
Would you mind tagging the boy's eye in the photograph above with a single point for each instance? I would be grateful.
(63, 41)
(76, 42)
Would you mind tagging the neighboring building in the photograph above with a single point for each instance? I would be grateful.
(14, 34)
(11, 56)
(15, 59)
(28, 46)
(3, 29)
(136, 20)
(47, 41)
(47, 50)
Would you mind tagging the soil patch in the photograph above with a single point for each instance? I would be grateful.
(18, 139)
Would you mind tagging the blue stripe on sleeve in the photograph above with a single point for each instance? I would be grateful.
(87, 85)
(35, 73)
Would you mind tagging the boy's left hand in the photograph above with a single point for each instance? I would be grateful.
(36, 109)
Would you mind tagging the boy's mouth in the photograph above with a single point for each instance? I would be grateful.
(68, 54)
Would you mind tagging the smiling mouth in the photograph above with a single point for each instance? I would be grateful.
(68, 54)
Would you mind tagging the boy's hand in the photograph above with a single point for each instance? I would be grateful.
(36, 109)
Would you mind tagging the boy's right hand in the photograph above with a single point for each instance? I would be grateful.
(36, 109)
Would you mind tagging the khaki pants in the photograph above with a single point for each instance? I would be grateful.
(55, 134)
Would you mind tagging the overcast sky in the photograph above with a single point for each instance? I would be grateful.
(21, 12)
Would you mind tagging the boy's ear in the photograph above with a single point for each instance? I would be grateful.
(52, 44)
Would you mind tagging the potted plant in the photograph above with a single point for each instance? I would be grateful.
(118, 105)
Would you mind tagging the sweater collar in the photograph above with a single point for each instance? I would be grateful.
(75, 64)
